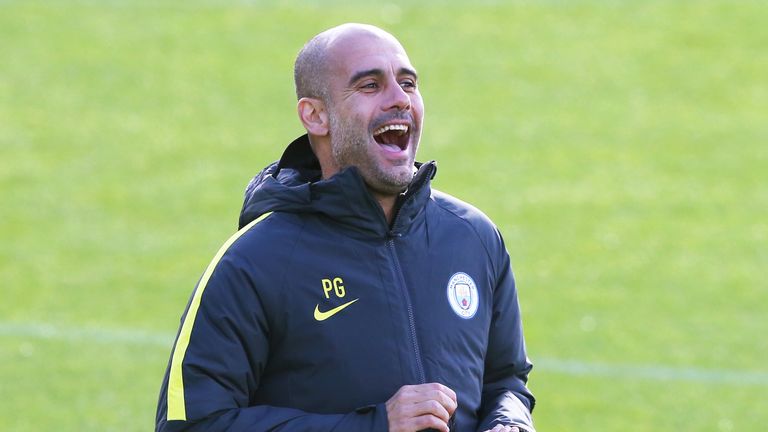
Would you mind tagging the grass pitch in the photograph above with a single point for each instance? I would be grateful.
(620, 146)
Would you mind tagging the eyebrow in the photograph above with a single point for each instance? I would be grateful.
(379, 72)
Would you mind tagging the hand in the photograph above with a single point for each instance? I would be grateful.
(502, 428)
(418, 407)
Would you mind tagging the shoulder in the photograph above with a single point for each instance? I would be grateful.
(265, 240)
(270, 225)
(253, 260)
(462, 212)
(459, 213)
(467, 221)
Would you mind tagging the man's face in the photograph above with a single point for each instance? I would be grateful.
(375, 111)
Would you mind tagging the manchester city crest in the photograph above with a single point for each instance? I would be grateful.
(462, 295)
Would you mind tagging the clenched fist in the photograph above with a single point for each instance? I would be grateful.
(423, 406)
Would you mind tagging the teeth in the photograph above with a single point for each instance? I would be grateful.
(399, 127)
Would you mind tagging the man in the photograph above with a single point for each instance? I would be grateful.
(354, 297)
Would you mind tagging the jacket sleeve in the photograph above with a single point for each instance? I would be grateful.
(506, 399)
(217, 362)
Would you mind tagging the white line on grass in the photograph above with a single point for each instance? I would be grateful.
(39, 330)
(652, 372)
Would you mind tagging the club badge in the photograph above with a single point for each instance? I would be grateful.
(462, 295)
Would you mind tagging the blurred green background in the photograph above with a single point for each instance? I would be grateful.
(620, 146)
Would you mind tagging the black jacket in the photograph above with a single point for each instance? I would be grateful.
(317, 311)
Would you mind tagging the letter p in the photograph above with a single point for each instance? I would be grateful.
(327, 287)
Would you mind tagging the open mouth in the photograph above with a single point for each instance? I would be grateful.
(393, 138)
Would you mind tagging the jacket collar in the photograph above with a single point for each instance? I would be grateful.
(294, 184)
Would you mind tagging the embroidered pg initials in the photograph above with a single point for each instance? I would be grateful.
(335, 285)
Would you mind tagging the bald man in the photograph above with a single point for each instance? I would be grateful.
(354, 297)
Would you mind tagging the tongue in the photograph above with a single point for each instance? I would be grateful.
(390, 148)
(389, 141)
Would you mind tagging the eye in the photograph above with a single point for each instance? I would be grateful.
(408, 84)
(371, 85)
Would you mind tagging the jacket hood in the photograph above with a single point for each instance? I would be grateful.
(294, 184)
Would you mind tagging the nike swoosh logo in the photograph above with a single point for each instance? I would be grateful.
(322, 316)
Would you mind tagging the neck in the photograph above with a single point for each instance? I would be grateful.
(387, 203)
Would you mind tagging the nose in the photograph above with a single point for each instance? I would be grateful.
(397, 98)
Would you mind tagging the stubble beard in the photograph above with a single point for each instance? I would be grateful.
(350, 146)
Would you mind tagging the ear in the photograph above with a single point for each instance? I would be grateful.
(313, 116)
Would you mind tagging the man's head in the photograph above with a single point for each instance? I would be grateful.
(359, 101)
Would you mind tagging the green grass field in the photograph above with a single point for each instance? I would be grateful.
(622, 148)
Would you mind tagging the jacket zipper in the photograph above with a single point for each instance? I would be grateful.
(409, 307)
(401, 278)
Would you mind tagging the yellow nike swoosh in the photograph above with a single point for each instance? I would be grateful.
(322, 316)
